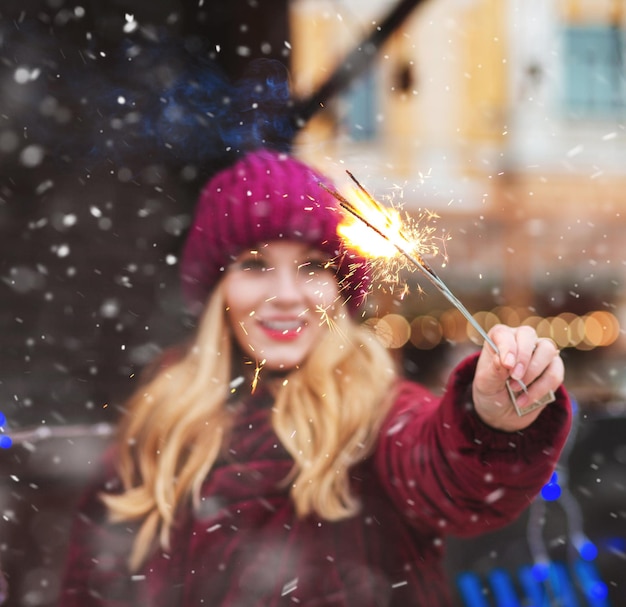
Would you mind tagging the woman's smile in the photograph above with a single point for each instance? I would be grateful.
(274, 297)
(282, 329)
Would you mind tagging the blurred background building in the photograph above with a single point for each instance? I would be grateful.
(505, 117)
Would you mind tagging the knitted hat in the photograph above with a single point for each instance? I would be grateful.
(263, 197)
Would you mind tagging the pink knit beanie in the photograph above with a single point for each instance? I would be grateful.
(265, 196)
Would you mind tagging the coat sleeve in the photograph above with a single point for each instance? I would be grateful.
(450, 473)
(96, 573)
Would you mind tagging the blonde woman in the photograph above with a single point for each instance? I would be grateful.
(279, 458)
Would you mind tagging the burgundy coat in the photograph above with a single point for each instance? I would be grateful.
(437, 470)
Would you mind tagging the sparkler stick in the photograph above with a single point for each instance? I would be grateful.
(403, 245)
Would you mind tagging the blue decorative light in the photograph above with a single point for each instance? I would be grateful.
(551, 491)
(588, 551)
(471, 589)
(560, 584)
(5, 441)
(615, 544)
(532, 583)
(503, 589)
(595, 590)
(540, 572)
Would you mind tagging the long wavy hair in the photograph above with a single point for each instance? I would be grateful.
(176, 425)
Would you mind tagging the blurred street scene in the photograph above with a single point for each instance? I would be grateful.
(505, 118)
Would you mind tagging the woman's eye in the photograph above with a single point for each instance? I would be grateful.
(253, 264)
(319, 265)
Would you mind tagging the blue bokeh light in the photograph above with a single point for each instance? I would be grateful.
(551, 490)
(541, 571)
(5, 442)
(598, 590)
(588, 551)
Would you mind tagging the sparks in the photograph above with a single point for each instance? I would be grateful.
(327, 319)
(324, 316)
(257, 373)
(400, 240)
(386, 236)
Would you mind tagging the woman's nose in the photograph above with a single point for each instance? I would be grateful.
(287, 285)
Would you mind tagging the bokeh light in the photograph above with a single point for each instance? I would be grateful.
(595, 329)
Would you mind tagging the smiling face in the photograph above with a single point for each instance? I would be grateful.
(275, 296)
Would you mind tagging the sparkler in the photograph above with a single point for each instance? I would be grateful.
(386, 225)
(257, 373)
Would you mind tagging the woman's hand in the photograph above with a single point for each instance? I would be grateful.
(522, 356)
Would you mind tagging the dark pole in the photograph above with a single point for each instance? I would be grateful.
(353, 65)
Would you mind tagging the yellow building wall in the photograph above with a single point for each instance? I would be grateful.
(317, 48)
(483, 108)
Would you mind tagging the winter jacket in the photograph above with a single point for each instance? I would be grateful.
(437, 469)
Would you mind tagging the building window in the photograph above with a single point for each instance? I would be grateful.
(593, 60)
(359, 108)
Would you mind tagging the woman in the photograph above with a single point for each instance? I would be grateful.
(279, 459)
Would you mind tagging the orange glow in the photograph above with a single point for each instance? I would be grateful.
(609, 324)
(392, 330)
(400, 329)
(453, 325)
(426, 332)
(596, 329)
(593, 331)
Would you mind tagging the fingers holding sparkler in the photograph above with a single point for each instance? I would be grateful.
(522, 360)
(515, 349)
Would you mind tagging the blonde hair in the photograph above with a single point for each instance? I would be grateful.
(327, 415)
